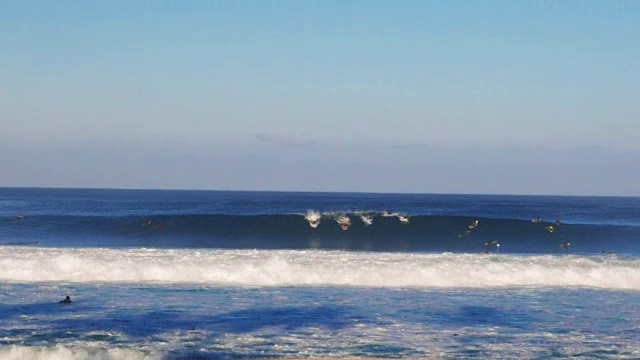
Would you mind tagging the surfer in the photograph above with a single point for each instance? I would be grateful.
(491, 242)
(536, 220)
(17, 218)
(565, 246)
(66, 300)
(473, 224)
(558, 223)
(344, 222)
(366, 219)
(147, 221)
(313, 217)
(403, 219)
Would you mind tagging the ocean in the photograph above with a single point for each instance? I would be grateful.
(212, 274)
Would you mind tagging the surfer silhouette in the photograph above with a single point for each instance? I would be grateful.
(66, 300)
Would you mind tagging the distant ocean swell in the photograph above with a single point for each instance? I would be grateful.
(421, 233)
(315, 268)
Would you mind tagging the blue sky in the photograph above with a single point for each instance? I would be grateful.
(411, 96)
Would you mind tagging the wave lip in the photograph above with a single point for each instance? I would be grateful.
(315, 268)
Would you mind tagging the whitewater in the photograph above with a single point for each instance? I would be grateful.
(316, 268)
(237, 275)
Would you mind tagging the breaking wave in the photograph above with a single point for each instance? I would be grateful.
(315, 268)
(313, 231)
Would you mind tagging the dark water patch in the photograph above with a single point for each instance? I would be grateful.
(422, 233)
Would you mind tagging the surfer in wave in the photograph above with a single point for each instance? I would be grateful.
(366, 219)
(344, 222)
(148, 223)
(489, 243)
(471, 228)
(313, 217)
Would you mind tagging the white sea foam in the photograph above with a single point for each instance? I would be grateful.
(315, 268)
(312, 215)
(60, 352)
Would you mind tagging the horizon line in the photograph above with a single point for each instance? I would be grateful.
(310, 191)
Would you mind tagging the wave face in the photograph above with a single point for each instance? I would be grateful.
(270, 220)
(120, 203)
(422, 233)
(315, 268)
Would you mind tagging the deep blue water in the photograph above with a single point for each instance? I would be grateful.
(205, 274)
(271, 220)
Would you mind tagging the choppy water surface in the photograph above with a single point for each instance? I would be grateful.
(235, 322)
